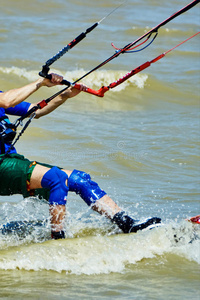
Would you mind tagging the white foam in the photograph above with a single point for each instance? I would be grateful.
(20, 72)
(94, 80)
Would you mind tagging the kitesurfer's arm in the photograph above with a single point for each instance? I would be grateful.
(57, 101)
(15, 96)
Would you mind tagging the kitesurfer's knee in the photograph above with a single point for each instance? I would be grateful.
(81, 183)
(55, 180)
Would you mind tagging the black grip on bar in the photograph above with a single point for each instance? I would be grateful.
(66, 82)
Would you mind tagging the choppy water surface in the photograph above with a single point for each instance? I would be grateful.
(140, 143)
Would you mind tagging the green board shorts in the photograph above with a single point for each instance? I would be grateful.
(15, 174)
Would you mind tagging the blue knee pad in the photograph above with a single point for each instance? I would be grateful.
(55, 179)
(81, 183)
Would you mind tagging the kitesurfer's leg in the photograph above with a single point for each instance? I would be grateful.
(56, 181)
(59, 182)
(106, 206)
(81, 183)
(43, 177)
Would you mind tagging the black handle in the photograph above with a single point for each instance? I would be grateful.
(44, 73)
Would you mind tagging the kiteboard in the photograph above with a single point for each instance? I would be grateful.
(23, 228)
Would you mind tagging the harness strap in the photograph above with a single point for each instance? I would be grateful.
(7, 132)
(2, 144)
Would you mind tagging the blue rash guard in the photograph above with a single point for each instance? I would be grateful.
(19, 110)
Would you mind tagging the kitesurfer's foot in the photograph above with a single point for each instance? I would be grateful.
(127, 224)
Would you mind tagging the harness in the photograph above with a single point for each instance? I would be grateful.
(7, 132)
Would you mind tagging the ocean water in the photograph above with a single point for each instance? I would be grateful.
(140, 142)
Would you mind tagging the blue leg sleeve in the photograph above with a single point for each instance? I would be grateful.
(81, 183)
(55, 179)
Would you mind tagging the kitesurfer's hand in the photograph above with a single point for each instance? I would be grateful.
(72, 92)
(55, 80)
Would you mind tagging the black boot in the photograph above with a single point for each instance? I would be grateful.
(127, 224)
(57, 235)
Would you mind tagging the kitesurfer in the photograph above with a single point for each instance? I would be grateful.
(19, 175)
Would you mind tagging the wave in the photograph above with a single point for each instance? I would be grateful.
(102, 254)
(94, 246)
(96, 79)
